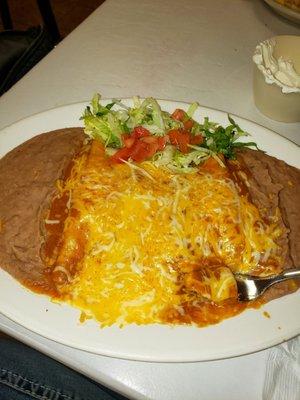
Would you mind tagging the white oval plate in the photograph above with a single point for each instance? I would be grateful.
(251, 331)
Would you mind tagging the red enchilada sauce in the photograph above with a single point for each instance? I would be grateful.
(198, 311)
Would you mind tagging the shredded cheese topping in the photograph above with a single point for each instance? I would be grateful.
(143, 243)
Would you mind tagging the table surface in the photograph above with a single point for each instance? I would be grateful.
(183, 50)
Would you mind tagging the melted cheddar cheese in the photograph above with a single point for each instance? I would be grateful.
(142, 244)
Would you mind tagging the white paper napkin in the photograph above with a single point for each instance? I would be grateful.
(282, 381)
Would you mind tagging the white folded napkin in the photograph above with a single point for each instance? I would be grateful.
(282, 380)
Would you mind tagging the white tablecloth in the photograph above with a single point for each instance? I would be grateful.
(183, 50)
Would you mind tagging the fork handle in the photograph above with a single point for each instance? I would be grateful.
(292, 273)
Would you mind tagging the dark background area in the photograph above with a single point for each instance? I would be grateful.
(68, 13)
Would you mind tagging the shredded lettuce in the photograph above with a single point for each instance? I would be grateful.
(165, 157)
(103, 124)
(179, 162)
(192, 159)
(108, 123)
(147, 114)
(191, 110)
(223, 140)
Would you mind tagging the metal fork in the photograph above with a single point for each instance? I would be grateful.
(250, 287)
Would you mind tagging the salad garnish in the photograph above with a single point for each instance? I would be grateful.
(146, 132)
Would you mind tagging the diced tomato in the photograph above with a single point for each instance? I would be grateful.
(173, 135)
(125, 136)
(162, 141)
(188, 124)
(184, 141)
(128, 140)
(139, 132)
(121, 154)
(178, 114)
(147, 146)
(149, 139)
(180, 139)
(159, 141)
(196, 139)
(141, 150)
(140, 145)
